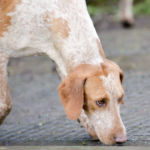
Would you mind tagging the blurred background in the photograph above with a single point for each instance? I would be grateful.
(141, 7)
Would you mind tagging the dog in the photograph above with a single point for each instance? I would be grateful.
(91, 89)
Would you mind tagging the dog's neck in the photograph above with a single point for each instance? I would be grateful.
(62, 29)
(74, 37)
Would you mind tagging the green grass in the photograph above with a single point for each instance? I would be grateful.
(141, 8)
(93, 10)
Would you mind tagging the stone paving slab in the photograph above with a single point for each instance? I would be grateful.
(70, 147)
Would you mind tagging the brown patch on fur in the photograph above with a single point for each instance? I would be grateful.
(60, 30)
(89, 104)
(100, 49)
(5, 103)
(59, 27)
(6, 6)
(94, 91)
(112, 67)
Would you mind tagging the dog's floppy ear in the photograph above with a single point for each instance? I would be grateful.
(71, 92)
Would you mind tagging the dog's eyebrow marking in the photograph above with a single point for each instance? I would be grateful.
(110, 84)
(6, 6)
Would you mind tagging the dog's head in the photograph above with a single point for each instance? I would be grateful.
(99, 92)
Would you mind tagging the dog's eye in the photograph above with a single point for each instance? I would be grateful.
(101, 103)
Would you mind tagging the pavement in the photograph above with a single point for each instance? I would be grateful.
(70, 147)
(38, 117)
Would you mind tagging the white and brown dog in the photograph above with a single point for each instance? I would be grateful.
(91, 90)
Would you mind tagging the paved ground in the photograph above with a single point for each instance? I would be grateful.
(38, 117)
(70, 147)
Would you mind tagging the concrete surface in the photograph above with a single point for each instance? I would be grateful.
(70, 147)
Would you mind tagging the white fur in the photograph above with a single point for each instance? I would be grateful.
(111, 85)
(29, 33)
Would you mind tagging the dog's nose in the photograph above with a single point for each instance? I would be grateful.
(120, 139)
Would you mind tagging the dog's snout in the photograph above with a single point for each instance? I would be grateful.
(120, 139)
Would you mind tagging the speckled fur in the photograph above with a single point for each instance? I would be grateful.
(30, 33)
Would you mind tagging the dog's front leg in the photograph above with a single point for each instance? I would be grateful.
(83, 119)
(5, 101)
